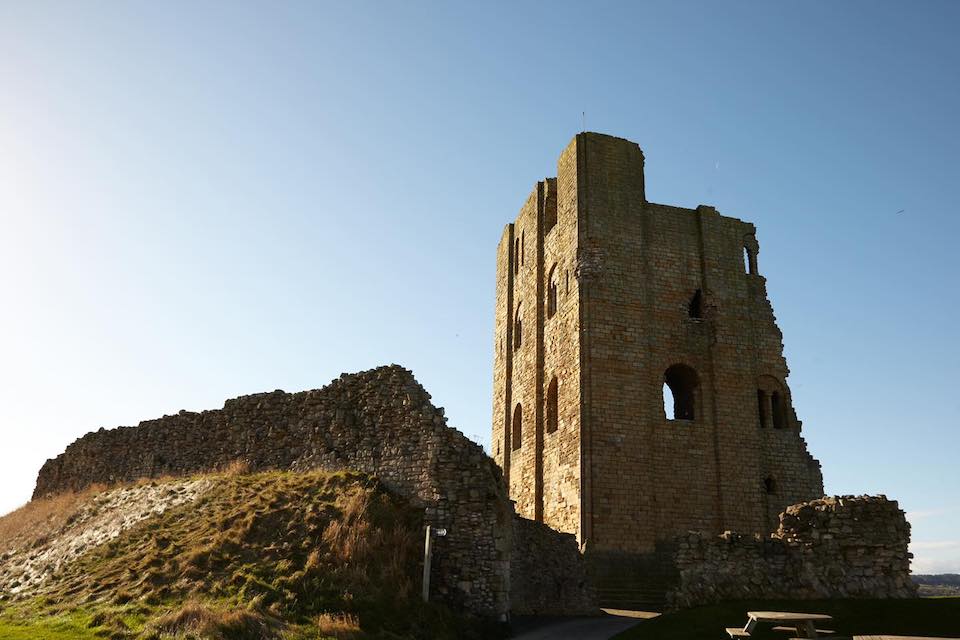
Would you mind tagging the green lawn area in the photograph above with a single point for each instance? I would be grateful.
(937, 617)
(65, 627)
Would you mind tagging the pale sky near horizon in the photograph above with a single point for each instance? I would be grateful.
(203, 200)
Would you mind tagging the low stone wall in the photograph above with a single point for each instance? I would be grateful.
(380, 422)
(839, 547)
(547, 573)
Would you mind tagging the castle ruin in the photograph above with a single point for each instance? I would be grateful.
(604, 302)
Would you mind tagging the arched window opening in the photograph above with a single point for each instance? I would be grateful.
(553, 420)
(776, 408)
(770, 486)
(762, 406)
(523, 242)
(516, 255)
(566, 286)
(517, 330)
(772, 403)
(516, 432)
(695, 306)
(552, 292)
(680, 392)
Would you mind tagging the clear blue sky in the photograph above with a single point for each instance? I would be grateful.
(202, 200)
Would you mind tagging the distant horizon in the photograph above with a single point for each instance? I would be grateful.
(204, 202)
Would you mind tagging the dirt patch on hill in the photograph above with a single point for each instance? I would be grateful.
(44, 536)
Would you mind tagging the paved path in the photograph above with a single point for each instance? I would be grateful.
(593, 628)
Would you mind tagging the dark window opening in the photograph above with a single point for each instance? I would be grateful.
(516, 256)
(770, 486)
(517, 330)
(551, 293)
(516, 434)
(762, 408)
(523, 242)
(695, 307)
(776, 408)
(680, 392)
(566, 276)
(553, 420)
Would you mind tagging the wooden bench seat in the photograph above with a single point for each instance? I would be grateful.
(737, 632)
(820, 632)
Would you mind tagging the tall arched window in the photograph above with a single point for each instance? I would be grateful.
(516, 432)
(680, 392)
(517, 330)
(552, 292)
(516, 256)
(553, 418)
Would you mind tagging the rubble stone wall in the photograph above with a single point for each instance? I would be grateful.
(834, 547)
(548, 575)
(380, 422)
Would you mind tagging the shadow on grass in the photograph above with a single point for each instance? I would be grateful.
(937, 617)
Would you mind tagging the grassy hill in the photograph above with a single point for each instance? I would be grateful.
(295, 556)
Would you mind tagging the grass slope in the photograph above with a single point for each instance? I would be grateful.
(937, 617)
(270, 555)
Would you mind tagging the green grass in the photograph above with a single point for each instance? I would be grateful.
(63, 627)
(937, 617)
(268, 555)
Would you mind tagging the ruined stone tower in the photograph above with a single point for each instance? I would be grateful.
(603, 300)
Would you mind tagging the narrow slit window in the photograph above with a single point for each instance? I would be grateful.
(762, 408)
(516, 430)
(695, 306)
(680, 392)
(517, 330)
(777, 409)
(553, 419)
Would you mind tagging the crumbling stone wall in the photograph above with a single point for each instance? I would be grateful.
(547, 573)
(839, 547)
(379, 421)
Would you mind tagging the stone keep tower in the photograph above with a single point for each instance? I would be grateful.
(604, 302)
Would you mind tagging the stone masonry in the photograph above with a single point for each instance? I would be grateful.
(602, 299)
(380, 422)
(840, 547)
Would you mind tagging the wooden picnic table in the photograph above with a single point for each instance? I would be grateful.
(804, 623)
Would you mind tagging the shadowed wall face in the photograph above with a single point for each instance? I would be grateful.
(647, 296)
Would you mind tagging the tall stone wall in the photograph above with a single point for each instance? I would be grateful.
(379, 421)
(548, 575)
(839, 547)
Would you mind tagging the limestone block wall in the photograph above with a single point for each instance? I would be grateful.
(834, 547)
(547, 573)
(380, 422)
